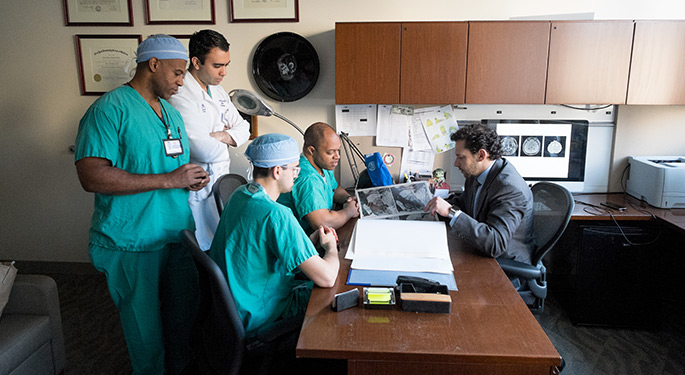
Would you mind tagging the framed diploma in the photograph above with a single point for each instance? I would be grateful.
(98, 13)
(264, 11)
(184, 39)
(105, 61)
(179, 12)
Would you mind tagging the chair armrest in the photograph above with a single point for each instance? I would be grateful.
(518, 269)
(37, 295)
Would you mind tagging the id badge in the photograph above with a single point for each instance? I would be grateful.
(173, 147)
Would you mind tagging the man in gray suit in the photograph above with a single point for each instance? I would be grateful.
(495, 212)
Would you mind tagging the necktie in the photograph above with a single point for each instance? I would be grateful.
(478, 186)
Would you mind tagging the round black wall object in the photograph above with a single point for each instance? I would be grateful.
(285, 66)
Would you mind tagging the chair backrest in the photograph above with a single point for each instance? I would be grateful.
(553, 206)
(218, 335)
(224, 187)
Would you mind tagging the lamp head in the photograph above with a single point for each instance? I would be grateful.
(250, 103)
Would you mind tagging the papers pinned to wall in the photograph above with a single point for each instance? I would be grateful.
(392, 128)
(356, 119)
(438, 125)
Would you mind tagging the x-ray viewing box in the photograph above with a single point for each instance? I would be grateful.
(659, 180)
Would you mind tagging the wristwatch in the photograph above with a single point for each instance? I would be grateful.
(453, 212)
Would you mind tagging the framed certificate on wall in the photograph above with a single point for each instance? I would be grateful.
(264, 11)
(179, 12)
(98, 13)
(105, 61)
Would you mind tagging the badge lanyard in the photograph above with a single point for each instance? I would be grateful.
(172, 146)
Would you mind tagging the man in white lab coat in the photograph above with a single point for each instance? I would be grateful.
(212, 122)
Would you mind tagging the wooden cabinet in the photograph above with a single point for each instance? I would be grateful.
(510, 62)
(367, 63)
(433, 65)
(507, 62)
(390, 63)
(589, 62)
(657, 71)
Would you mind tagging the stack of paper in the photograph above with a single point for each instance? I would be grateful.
(383, 249)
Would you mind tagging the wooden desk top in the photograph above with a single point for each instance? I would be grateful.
(489, 323)
(636, 209)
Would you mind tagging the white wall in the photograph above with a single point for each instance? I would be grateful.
(44, 214)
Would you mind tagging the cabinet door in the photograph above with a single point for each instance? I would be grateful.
(507, 62)
(657, 72)
(589, 62)
(433, 62)
(367, 63)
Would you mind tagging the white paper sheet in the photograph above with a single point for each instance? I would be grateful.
(356, 119)
(416, 161)
(392, 129)
(397, 245)
(439, 125)
(418, 140)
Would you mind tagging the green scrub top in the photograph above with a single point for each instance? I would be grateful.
(258, 246)
(311, 192)
(122, 128)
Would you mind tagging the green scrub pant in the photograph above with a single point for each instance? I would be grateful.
(156, 294)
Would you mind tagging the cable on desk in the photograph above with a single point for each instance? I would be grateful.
(605, 211)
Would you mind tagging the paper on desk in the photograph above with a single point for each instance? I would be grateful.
(412, 264)
(401, 246)
(392, 129)
(356, 119)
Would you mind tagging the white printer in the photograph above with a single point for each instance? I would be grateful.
(659, 180)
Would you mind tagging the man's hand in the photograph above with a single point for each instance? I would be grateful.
(190, 176)
(223, 137)
(326, 237)
(439, 206)
(351, 207)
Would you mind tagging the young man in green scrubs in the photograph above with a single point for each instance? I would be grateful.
(260, 246)
(316, 189)
(132, 152)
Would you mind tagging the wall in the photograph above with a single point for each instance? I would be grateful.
(45, 215)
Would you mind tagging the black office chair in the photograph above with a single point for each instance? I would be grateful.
(552, 205)
(218, 339)
(224, 187)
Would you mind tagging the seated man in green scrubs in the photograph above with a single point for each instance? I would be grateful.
(132, 152)
(259, 245)
(316, 189)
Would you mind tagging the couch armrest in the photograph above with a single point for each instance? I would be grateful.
(37, 294)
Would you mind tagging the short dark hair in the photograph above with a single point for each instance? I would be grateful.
(201, 42)
(260, 172)
(479, 136)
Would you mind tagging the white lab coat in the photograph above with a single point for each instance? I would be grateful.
(204, 114)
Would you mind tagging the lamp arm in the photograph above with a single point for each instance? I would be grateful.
(289, 122)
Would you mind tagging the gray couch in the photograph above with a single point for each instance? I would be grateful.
(31, 339)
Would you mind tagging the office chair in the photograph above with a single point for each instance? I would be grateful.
(219, 342)
(552, 206)
(224, 187)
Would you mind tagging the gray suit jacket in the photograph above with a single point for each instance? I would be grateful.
(503, 225)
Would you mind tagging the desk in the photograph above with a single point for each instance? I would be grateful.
(602, 278)
(636, 210)
(489, 331)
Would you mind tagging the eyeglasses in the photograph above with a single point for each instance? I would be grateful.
(296, 170)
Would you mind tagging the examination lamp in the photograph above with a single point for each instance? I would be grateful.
(252, 104)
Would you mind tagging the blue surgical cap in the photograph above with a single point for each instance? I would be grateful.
(270, 150)
(161, 46)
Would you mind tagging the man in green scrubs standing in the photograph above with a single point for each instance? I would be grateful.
(132, 152)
